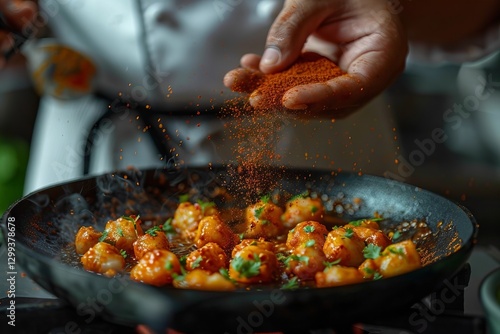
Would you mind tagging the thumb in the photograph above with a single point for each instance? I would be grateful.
(18, 13)
(288, 34)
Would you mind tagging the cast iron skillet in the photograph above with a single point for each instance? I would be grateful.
(47, 220)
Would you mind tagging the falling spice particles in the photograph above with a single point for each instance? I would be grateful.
(256, 131)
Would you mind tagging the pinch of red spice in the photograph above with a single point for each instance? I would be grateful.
(308, 69)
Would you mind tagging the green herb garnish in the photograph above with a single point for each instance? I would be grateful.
(329, 264)
(397, 251)
(291, 284)
(167, 227)
(181, 276)
(196, 262)
(225, 273)
(132, 220)
(348, 233)
(152, 231)
(123, 253)
(301, 195)
(396, 235)
(371, 251)
(258, 212)
(247, 268)
(361, 221)
(205, 205)
(376, 274)
(309, 229)
(310, 243)
(103, 236)
(183, 198)
(265, 199)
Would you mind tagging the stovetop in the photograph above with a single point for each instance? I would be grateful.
(454, 308)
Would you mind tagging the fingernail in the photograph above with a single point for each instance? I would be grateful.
(296, 106)
(271, 56)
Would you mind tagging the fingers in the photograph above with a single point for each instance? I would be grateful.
(244, 79)
(334, 99)
(250, 61)
(289, 32)
(345, 94)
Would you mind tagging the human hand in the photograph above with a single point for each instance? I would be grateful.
(361, 36)
(15, 16)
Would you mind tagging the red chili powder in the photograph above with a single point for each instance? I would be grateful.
(309, 68)
(257, 131)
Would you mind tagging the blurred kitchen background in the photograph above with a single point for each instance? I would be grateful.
(465, 167)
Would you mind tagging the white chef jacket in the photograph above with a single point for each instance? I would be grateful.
(172, 55)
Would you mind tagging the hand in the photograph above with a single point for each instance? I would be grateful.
(361, 36)
(17, 15)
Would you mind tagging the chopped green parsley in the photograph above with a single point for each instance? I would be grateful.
(247, 268)
(291, 284)
(371, 251)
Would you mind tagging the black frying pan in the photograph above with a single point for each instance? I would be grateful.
(47, 220)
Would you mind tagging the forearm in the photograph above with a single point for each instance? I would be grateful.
(446, 22)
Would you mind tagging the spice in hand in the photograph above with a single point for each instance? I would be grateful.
(309, 68)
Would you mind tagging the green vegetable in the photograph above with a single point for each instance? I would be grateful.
(152, 231)
(309, 229)
(224, 272)
(397, 251)
(167, 227)
(376, 274)
(183, 198)
(360, 221)
(196, 262)
(247, 268)
(132, 220)
(179, 277)
(291, 284)
(169, 265)
(123, 253)
(265, 199)
(371, 251)
(348, 233)
(331, 263)
(301, 195)
(205, 205)
(310, 243)
(103, 236)
(258, 212)
(286, 259)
